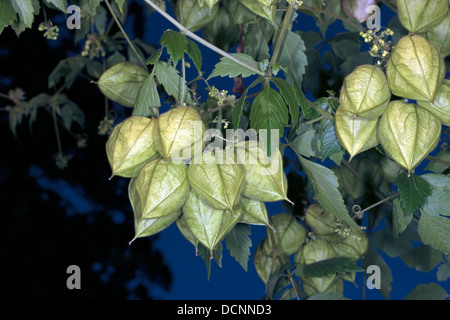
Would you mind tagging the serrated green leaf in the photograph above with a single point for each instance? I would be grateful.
(238, 241)
(423, 258)
(293, 57)
(437, 180)
(289, 96)
(226, 67)
(7, 14)
(147, 98)
(435, 231)
(306, 143)
(328, 142)
(400, 218)
(195, 54)
(25, 10)
(443, 272)
(168, 76)
(438, 203)
(329, 267)
(439, 167)
(431, 291)
(154, 58)
(238, 107)
(414, 190)
(269, 113)
(59, 4)
(207, 256)
(372, 257)
(175, 43)
(325, 185)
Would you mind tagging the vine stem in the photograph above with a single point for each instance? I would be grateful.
(358, 214)
(337, 16)
(55, 124)
(125, 34)
(280, 38)
(183, 83)
(201, 40)
(321, 111)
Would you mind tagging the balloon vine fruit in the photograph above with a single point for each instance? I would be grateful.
(122, 82)
(415, 69)
(408, 133)
(365, 92)
(130, 146)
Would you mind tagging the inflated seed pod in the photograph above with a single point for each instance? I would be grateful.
(408, 133)
(122, 82)
(415, 69)
(264, 261)
(351, 247)
(265, 178)
(289, 234)
(179, 134)
(355, 134)
(130, 146)
(440, 106)
(365, 92)
(440, 36)
(320, 221)
(418, 16)
(217, 182)
(161, 188)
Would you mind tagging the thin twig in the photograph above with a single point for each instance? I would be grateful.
(201, 40)
(125, 34)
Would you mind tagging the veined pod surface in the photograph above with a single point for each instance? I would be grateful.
(254, 212)
(264, 261)
(130, 146)
(415, 69)
(162, 188)
(365, 92)
(265, 180)
(440, 36)
(217, 182)
(418, 16)
(147, 227)
(440, 106)
(289, 234)
(355, 134)
(122, 82)
(408, 133)
(179, 134)
(207, 224)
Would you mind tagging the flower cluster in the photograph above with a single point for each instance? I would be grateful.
(381, 48)
(93, 47)
(51, 31)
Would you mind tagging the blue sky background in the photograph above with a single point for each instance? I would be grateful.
(190, 279)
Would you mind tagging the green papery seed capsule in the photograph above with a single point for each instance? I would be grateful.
(289, 234)
(161, 187)
(440, 106)
(130, 146)
(415, 69)
(179, 134)
(408, 133)
(122, 82)
(365, 92)
(419, 16)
